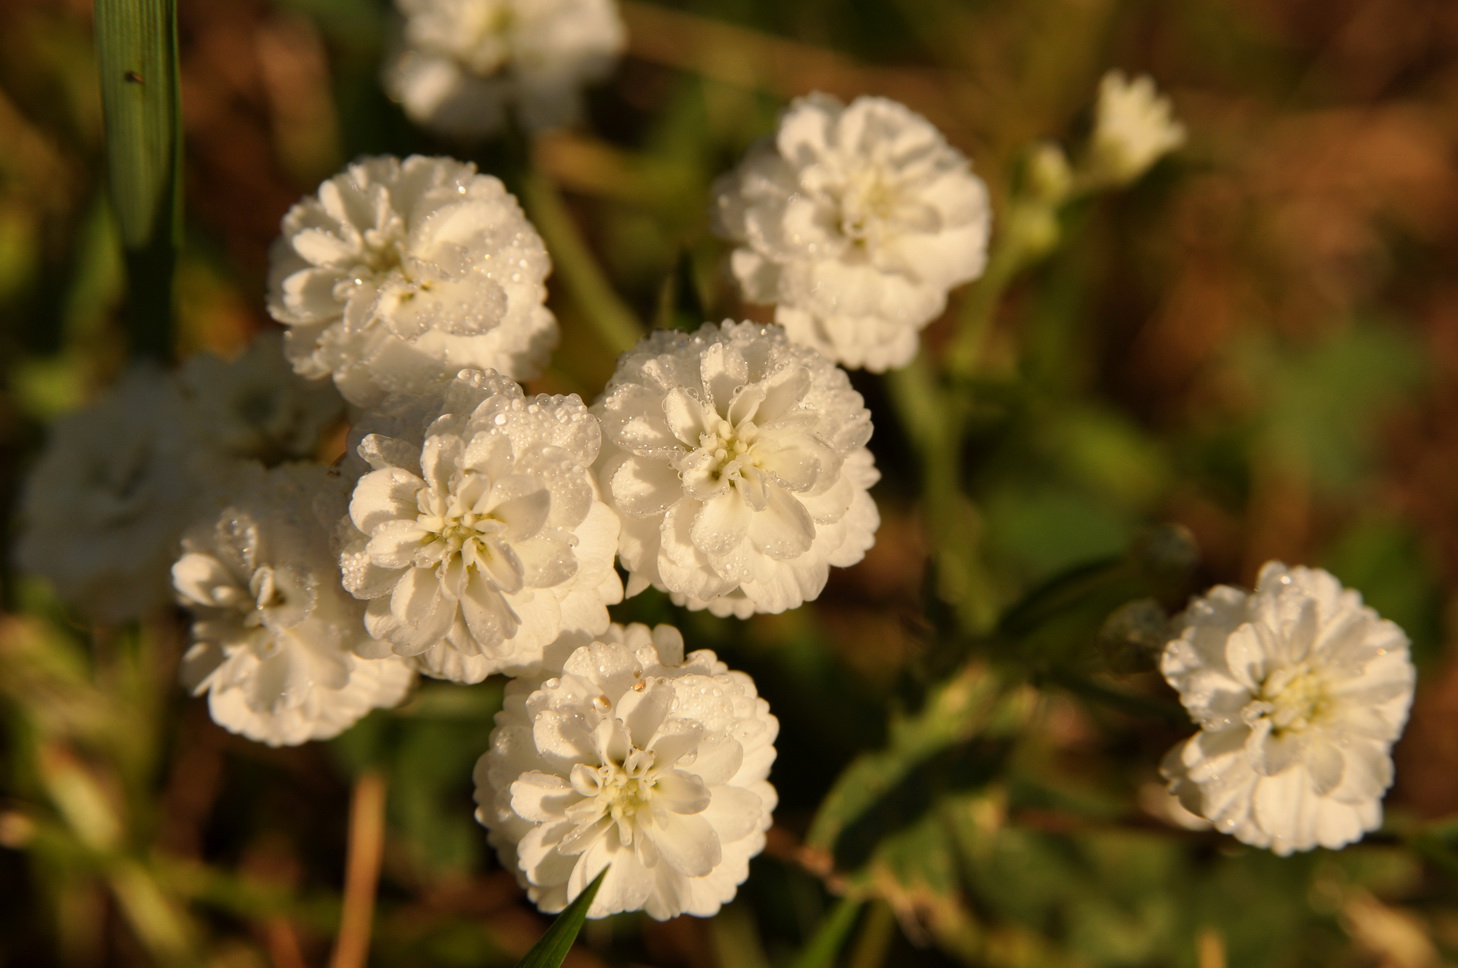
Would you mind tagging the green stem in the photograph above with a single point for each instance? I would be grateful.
(823, 946)
(935, 429)
(615, 324)
(875, 938)
(975, 321)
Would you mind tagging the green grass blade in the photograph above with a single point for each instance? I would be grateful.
(822, 948)
(136, 43)
(550, 951)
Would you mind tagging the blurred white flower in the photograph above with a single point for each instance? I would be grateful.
(104, 507)
(738, 462)
(399, 273)
(1300, 691)
(273, 631)
(460, 65)
(855, 222)
(480, 541)
(1134, 127)
(638, 757)
(254, 406)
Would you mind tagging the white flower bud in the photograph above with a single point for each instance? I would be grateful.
(1134, 127)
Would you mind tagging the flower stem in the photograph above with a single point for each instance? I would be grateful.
(975, 321)
(362, 871)
(617, 326)
(935, 430)
(875, 938)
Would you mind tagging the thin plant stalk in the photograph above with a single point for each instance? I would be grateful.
(362, 871)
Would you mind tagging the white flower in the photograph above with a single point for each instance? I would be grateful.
(855, 222)
(461, 64)
(738, 462)
(103, 508)
(1300, 691)
(255, 407)
(1133, 128)
(399, 273)
(635, 757)
(481, 541)
(274, 630)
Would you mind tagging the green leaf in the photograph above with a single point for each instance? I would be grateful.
(136, 44)
(869, 800)
(821, 950)
(550, 951)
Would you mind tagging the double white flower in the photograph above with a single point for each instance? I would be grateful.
(103, 509)
(399, 273)
(254, 407)
(462, 64)
(1300, 691)
(634, 757)
(738, 462)
(274, 631)
(854, 222)
(480, 541)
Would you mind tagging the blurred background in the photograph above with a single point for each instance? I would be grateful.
(1258, 342)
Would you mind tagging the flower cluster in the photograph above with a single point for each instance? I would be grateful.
(738, 462)
(481, 541)
(636, 758)
(1300, 691)
(120, 479)
(399, 273)
(461, 65)
(274, 632)
(854, 222)
(471, 529)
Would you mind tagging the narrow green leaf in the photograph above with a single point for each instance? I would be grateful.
(551, 950)
(136, 42)
(955, 712)
(830, 937)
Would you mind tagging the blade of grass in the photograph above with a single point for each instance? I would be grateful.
(822, 948)
(551, 950)
(136, 43)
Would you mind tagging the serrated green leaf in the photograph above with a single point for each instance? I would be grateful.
(136, 43)
(551, 950)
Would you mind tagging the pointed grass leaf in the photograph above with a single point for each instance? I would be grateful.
(136, 44)
(552, 948)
